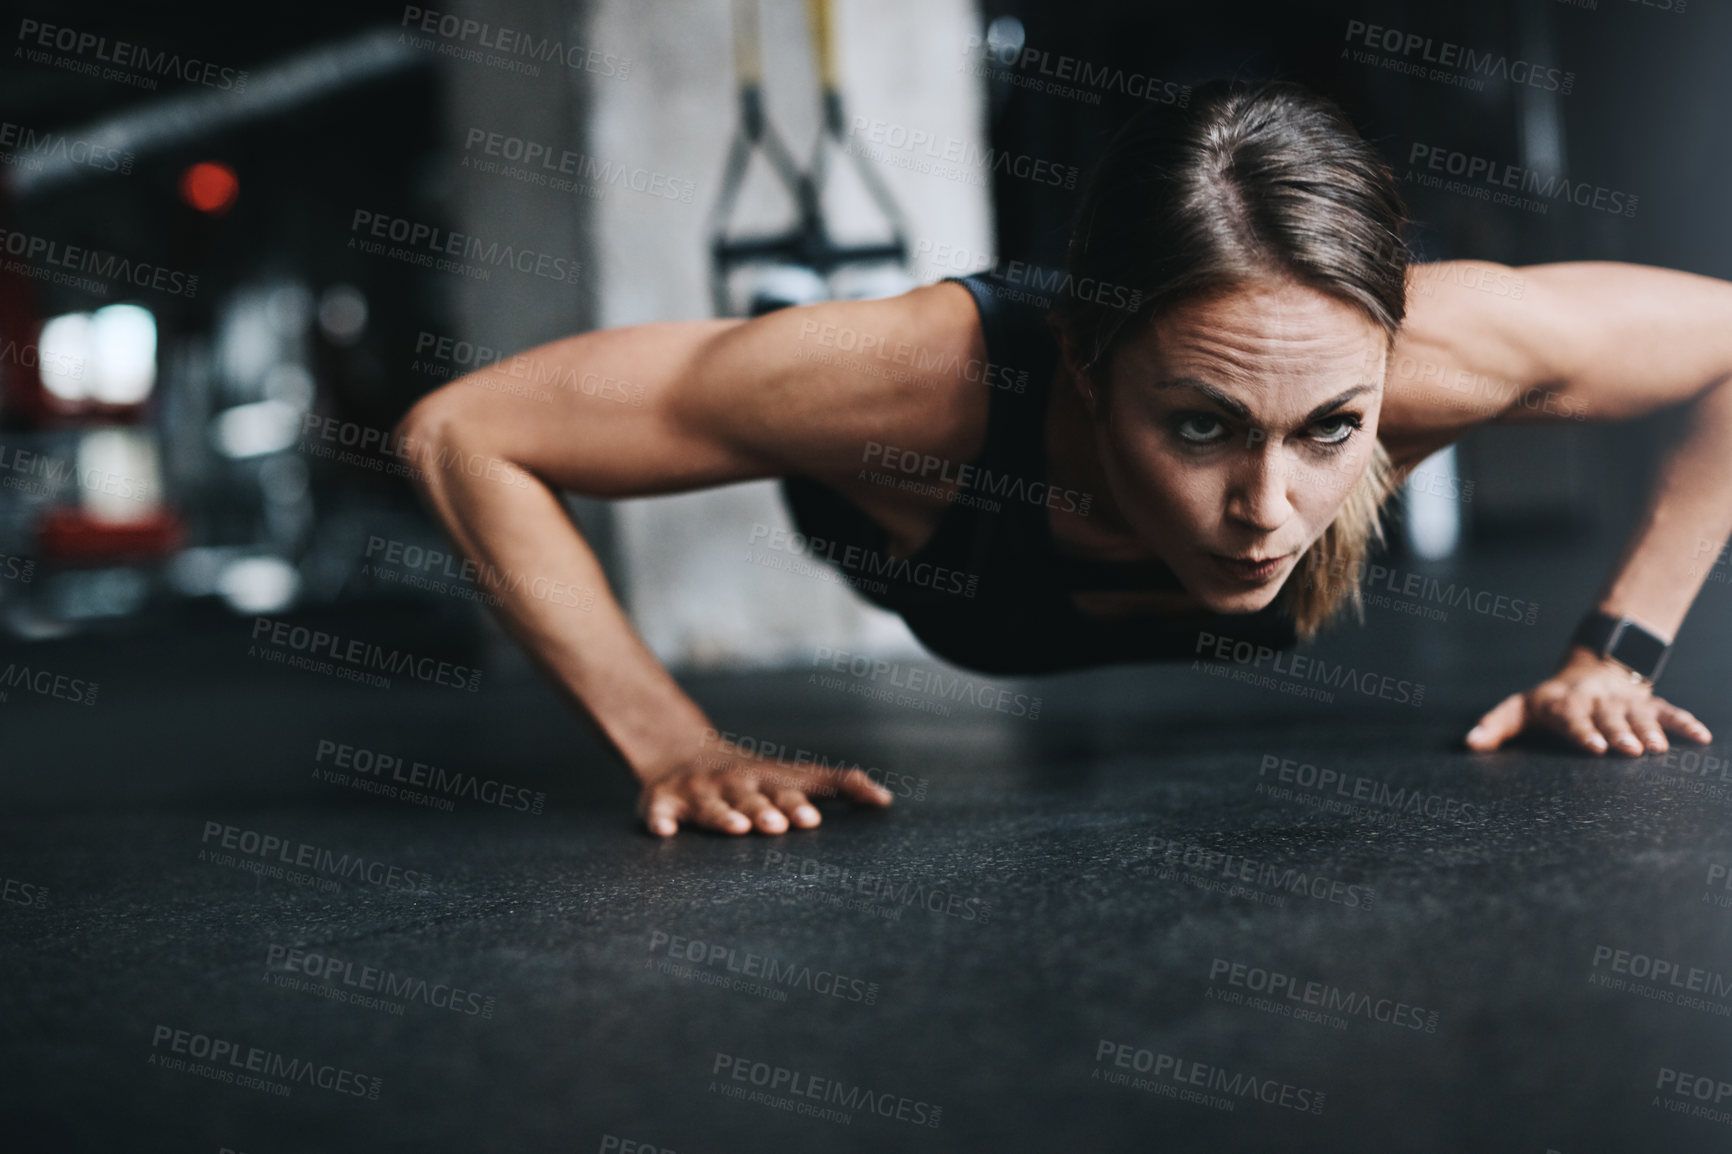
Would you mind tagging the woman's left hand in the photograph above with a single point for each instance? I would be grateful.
(1594, 703)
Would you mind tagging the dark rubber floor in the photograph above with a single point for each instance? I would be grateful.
(1105, 929)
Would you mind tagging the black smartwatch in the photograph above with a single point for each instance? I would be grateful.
(1623, 641)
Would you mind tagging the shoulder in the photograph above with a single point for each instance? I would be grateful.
(1477, 339)
(804, 389)
(1480, 312)
(1572, 340)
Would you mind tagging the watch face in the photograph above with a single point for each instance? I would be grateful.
(1638, 649)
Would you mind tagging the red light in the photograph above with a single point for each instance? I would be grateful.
(209, 187)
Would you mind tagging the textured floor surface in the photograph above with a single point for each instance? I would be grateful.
(1175, 911)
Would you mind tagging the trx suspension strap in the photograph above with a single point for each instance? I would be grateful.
(807, 244)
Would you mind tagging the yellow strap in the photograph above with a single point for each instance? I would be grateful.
(747, 61)
(823, 41)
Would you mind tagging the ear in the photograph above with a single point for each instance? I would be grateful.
(1079, 379)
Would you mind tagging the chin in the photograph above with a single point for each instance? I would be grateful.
(1239, 599)
(1242, 601)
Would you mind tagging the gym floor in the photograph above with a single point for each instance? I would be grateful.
(1173, 907)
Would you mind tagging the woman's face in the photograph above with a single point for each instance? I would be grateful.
(1231, 430)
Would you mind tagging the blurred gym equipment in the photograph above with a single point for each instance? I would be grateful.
(752, 275)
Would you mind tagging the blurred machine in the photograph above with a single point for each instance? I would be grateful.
(176, 310)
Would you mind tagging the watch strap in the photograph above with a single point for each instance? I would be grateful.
(1622, 640)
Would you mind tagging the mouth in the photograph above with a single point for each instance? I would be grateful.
(1249, 570)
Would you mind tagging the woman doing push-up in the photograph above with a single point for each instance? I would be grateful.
(1240, 368)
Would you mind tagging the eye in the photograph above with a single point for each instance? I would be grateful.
(1200, 428)
(1335, 430)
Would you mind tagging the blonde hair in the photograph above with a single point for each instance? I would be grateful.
(1326, 580)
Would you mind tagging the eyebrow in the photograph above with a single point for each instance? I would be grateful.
(1239, 411)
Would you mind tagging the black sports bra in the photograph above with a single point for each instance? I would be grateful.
(989, 591)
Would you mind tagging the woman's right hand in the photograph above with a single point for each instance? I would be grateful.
(732, 792)
(687, 405)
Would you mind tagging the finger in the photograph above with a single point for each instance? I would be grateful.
(810, 784)
(1644, 718)
(757, 808)
(664, 811)
(799, 810)
(774, 782)
(1611, 719)
(856, 786)
(1578, 724)
(714, 813)
(1502, 722)
(1682, 721)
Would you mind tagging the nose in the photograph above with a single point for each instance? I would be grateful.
(1257, 492)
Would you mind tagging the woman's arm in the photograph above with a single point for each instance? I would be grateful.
(660, 409)
(1605, 341)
